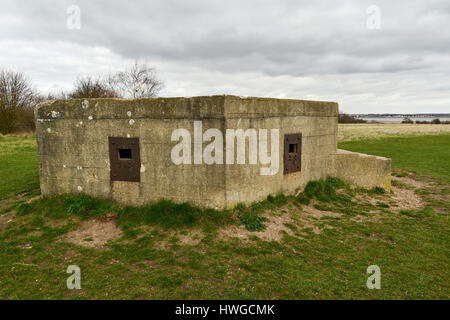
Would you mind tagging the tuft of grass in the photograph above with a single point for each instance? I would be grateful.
(375, 190)
(303, 199)
(62, 206)
(170, 215)
(253, 222)
(323, 190)
(382, 204)
(87, 207)
(251, 217)
(421, 213)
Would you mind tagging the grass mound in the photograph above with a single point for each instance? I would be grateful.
(170, 215)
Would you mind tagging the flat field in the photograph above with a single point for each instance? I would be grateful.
(316, 245)
(352, 132)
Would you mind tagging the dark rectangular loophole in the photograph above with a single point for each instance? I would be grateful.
(124, 154)
(292, 148)
(292, 153)
(125, 159)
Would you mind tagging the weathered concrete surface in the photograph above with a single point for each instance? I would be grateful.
(363, 170)
(73, 148)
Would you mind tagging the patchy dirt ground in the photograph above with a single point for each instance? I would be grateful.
(190, 239)
(94, 233)
(413, 183)
(186, 238)
(273, 232)
(277, 225)
(289, 220)
(405, 192)
(406, 199)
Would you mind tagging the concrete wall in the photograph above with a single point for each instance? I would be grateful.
(363, 170)
(317, 121)
(73, 148)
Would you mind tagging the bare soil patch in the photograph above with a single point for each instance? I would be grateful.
(409, 181)
(276, 226)
(191, 238)
(406, 199)
(94, 233)
(273, 232)
(310, 211)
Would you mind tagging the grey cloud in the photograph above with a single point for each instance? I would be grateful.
(281, 42)
(215, 31)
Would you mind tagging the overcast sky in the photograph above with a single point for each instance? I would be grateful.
(317, 50)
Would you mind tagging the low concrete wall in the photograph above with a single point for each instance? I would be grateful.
(363, 170)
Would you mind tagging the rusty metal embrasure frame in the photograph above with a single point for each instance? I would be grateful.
(124, 169)
(292, 160)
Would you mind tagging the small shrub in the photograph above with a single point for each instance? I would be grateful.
(253, 222)
(436, 121)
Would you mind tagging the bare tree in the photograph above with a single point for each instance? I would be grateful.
(90, 87)
(59, 95)
(17, 100)
(139, 81)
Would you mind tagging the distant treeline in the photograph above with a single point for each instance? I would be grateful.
(434, 121)
(346, 118)
(399, 115)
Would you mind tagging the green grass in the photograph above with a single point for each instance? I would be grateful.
(427, 155)
(152, 261)
(18, 165)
